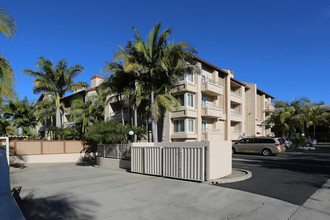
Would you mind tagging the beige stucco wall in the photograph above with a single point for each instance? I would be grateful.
(73, 146)
(45, 147)
(28, 147)
(219, 159)
(53, 147)
(251, 107)
(260, 104)
(49, 158)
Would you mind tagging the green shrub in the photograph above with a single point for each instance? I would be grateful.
(298, 140)
(111, 132)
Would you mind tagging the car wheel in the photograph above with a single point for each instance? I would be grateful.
(308, 144)
(233, 150)
(266, 152)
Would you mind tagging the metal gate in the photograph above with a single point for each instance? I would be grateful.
(182, 162)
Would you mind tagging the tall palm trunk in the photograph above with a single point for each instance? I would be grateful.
(135, 122)
(58, 111)
(122, 116)
(153, 120)
(164, 130)
(58, 117)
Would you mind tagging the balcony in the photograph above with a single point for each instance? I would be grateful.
(212, 111)
(185, 112)
(209, 134)
(211, 87)
(117, 116)
(269, 107)
(236, 116)
(235, 134)
(236, 97)
(183, 135)
(185, 86)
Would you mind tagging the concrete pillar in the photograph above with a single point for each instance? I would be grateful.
(227, 97)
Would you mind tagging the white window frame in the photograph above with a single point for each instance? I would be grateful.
(179, 123)
(190, 98)
(190, 77)
(183, 101)
(190, 125)
(204, 102)
(204, 129)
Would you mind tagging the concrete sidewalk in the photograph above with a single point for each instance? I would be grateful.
(67, 191)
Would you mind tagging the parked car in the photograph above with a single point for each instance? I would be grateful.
(310, 142)
(287, 143)
(260, 145)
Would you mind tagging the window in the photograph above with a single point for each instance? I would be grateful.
(180, 98)
(204, 100)
(204, 126)
(190, 125)
(190, 77)
(190, 100)
(203, 78)
(179, 125)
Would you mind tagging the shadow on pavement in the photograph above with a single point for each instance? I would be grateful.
(59, 206)
(292, 176)
(89, 159)
(18, 165)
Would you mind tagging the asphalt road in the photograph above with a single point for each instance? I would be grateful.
(292, 176)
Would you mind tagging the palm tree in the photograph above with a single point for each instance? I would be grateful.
(46, 109)
(6, 128)
(157, 64)
(86, 112)
(55, 80)
(7, 23)
(7, 76)
(22, 115)
(315, 117)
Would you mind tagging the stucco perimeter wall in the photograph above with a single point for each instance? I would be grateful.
(219, 159)
(24, 147)
(47, 158)
(28, 147)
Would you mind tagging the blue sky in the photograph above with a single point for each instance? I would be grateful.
(282, 46)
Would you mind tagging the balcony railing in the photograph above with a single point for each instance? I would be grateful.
(211, 81)
(269, 107)
(214, 130)
(236, 131)
(236, 94)
(211, 105)
(235, 113)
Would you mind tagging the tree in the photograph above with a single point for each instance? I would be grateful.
(46, 109)
(157, 64)
(315, 117)
(22, 115)
(55, 80)
(111, 132)
(7, 76)
(86, 111)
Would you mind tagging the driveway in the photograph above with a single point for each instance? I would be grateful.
(67, 191)
(292, 176)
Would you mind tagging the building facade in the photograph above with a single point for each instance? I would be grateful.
(214, 106)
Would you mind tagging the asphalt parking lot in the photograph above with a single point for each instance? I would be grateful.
(292, 176)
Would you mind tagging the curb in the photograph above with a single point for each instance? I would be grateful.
(247, 175)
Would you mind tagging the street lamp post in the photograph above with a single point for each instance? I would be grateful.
(131, 133)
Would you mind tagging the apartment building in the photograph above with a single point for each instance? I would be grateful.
(216, 106)
(96, 80)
